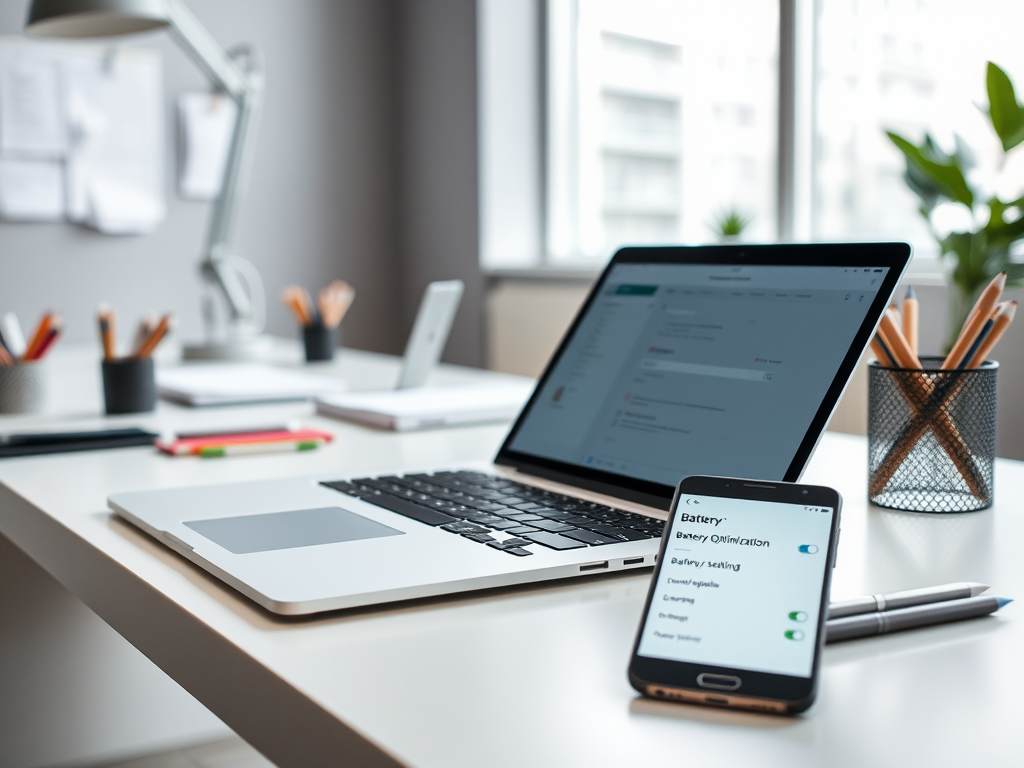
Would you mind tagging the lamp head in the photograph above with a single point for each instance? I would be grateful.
(95, 18)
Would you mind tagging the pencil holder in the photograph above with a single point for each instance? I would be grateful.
(23, 387)
(320, 342)
(129, 385)
(931, 437)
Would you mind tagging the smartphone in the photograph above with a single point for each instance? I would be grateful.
(736, 613)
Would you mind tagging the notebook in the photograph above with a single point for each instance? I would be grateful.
(407, 409)
(235, 384)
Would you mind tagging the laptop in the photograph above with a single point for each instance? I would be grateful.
(720, 360)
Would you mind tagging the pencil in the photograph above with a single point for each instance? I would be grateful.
(105, 317)
(5, 356)
(924, 416)
(143, 330)
(39, 336)
(982, 311)
(910, 319)
(154, 338)
(1000, 323)
(292, 298)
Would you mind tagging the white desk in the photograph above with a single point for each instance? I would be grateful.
(530, 676)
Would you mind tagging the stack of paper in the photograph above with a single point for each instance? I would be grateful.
(233, 384)
(405, 409)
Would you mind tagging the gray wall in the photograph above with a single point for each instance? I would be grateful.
(438, 163)
(320, 201)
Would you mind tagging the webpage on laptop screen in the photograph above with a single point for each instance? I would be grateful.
(690, 369)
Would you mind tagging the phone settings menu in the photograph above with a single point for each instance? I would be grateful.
(740, 585)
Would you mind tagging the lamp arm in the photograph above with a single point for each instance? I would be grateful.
(246, 89)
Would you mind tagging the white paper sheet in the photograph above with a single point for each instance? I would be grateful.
(115, 163)
(233, 383)
(32, 121)
(205, 123)
(31, 190)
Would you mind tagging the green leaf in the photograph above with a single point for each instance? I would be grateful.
(947, 175)
(1006, 114)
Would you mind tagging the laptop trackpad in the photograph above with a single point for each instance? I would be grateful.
(287, 530)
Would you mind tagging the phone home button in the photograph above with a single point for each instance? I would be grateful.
(718, 682)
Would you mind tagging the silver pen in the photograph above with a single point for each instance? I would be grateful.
(909, 618)
(905, 599)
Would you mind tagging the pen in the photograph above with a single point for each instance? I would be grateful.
(851, 627)
(292, 427)
(905, 599)
(14, 337)
(1001, 321)
(51, 336)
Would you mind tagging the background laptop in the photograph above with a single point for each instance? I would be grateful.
(722, 360)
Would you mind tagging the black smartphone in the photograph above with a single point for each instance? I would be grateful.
(736, 613)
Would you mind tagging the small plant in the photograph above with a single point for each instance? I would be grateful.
(730, 224)
(980, 252)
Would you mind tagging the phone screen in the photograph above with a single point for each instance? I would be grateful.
(740, 585)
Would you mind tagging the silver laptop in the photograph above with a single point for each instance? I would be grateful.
(721, 360)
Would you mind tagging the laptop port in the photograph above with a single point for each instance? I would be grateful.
(594, 566)
(633, 561)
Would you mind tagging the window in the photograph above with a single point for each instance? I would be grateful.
(643, 121)
(661, 117)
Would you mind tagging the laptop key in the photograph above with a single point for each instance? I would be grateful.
(591, 538)
(554, 541)
(502, 525)
(521, 530)
(516, 542)
(551, 525)
(628, 534)
(517, 551)
(408, 509)
(480, 538)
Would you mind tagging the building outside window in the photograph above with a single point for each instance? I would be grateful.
(661, 115)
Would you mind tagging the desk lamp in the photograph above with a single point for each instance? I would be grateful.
(244, 84)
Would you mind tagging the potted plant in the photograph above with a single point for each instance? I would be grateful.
(977, 253)
(729, 224)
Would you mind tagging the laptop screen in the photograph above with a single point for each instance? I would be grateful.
(675, 369)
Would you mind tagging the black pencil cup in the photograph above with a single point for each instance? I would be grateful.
(320, 342)
(129, 385)
(931, 437)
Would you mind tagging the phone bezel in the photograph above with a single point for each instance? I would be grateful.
(797, 693)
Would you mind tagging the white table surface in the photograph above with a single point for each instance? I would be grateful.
(526, 676)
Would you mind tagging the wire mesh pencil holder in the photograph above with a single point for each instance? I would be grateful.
(931, 437)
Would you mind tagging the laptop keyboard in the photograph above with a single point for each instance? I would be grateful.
(502, 514)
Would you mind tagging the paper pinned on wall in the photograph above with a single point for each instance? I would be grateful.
(115, 162)
(32, 121)
(205, 123)
(106, 127)
(31, 190)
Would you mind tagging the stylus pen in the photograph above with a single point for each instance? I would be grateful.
(911, 618)
(905, 599)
